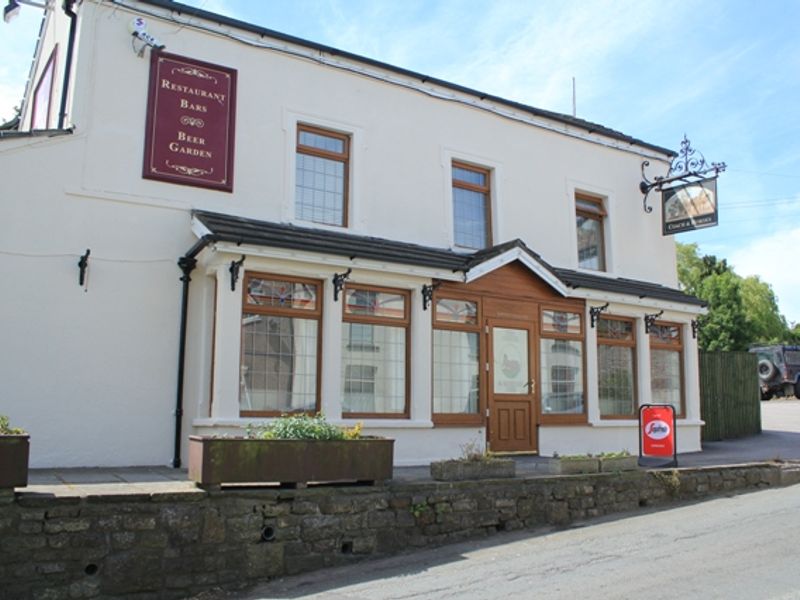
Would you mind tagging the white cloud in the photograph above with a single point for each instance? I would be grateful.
(774, 260)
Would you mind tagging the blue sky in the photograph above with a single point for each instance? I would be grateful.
(724, 72)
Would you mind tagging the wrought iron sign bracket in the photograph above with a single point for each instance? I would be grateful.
(695, 327)
(338, 283)
(649, 320)
(234, 271)
(594, 313)
(688, 166)
(83, 266)
(427, 294)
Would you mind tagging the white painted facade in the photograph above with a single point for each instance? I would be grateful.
(91, 371)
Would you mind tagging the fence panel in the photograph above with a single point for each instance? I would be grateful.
(730, 403)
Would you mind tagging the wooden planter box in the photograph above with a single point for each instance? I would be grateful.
(14, 452)
(217, 461)
(461, 470)
(611, 464)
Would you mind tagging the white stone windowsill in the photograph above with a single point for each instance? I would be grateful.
(635, 423)
(369, 424)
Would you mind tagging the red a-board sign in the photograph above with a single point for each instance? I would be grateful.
(657, 446)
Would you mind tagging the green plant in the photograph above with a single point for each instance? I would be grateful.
(669, 480)
(620, 454)
(419, 509)
(302, 427)
(473, 452)
(6, 429)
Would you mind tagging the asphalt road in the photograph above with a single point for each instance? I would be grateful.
(743, 546)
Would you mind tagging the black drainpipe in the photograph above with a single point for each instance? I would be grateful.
(73, 16)
(187, 263)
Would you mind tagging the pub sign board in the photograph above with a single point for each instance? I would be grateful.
(657, 442)
(191, 118)
(689, 206)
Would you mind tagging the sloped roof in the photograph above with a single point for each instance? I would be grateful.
(588, 126)
(241, 230)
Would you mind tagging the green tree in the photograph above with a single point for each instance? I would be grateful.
(740, 311)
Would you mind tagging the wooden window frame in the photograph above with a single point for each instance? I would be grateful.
(343, 157)
(315, 314)
(628, 344)
(50, 65)
(599, 215)
(459, 419)
(675, 347)
(486, 190)
(563, 418)
(405, 323)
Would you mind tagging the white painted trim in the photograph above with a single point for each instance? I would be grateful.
(526, 259)
(199, 228)
(601, 297)
(611, 423)
(368, 423)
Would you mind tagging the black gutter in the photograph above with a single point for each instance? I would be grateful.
(73, 26)
(591, 128)
(187, 263)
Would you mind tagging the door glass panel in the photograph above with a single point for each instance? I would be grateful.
(510, 358)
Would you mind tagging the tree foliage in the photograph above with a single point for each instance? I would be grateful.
(741, 311)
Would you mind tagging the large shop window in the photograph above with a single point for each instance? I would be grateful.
(375, 352)
(616, 367)
(321, 176)
(472, 220)
(589, 216)
(280, 345)
(561, 365)
(666, 352)
(456, 361)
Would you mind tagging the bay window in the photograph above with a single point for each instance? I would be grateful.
(666, 358)
(616, 367)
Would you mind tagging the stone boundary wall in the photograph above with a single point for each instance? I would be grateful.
(165, 546)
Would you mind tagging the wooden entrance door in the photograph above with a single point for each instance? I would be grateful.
(512, 386)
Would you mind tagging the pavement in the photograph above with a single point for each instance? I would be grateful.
(779, 440)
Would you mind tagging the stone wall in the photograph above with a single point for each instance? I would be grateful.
(173, 545)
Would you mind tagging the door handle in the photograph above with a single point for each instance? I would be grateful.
(530, 385)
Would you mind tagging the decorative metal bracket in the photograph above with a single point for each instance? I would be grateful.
(649, 320)
(338, 283)
(234, 271)
(427, 294)
(688, 166)
(594, 313)
(695, 327)
(83, 265)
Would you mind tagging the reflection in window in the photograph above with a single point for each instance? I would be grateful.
(589, 215)
(561, 376)
(455, 371)
(616, 367)
(471, 208)
(321, 171)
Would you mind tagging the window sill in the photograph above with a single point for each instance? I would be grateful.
(368, 423)
(635, 423)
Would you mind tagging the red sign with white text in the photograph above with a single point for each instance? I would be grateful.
(191, 113)
(657, 423)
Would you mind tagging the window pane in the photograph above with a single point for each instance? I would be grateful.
(614, 329)
(322, 142)
(281, 294)
(665, 334)
(557, 321)
(469, 176)
(319, 189)
(457, 311)
(510, 357)
(561, 376)
(590, 206)
(373, 379)
(469, 218)
(455, 372)
(375, 304)
(665, 377)
(279, 364)
(590, 243)
(615, 374)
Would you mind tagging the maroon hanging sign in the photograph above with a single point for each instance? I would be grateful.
(191, 117)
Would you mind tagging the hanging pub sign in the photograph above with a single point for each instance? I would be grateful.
(689, 206)
(688, 192)
(657, 443)
(191, 116)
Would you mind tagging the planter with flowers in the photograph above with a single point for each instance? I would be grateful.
(14, 452)
(293, 450)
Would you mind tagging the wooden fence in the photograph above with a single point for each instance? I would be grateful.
(730, 402)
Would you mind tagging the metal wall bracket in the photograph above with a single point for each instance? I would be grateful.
(427, 294)
(594, 313)
(83, 266)
(234, 271)
(338, 283)
(649, 320)
(688, 166)
(695, 327)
